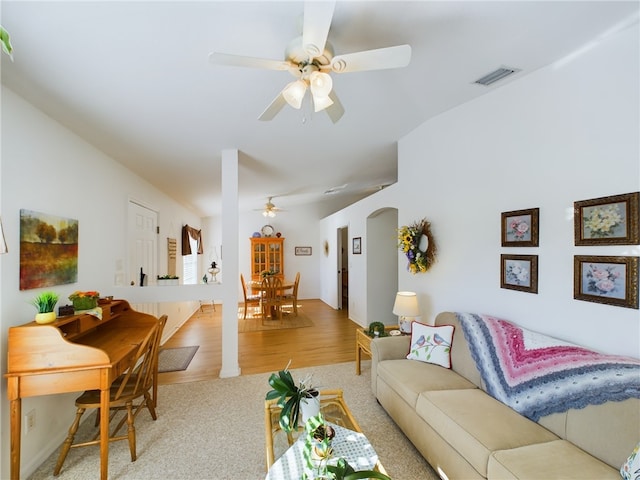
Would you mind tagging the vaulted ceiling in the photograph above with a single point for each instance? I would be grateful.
(134, 80)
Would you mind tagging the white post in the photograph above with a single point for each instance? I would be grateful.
(230, 212)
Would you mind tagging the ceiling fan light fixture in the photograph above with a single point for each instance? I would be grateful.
(269, 213)
(321, 84)
(294, 92)
(320, 103)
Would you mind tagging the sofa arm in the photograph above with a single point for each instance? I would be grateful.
(387, 348)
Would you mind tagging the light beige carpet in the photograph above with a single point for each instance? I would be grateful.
(254, 321)
(215, 430)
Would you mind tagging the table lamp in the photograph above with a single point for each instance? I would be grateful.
(406, 307)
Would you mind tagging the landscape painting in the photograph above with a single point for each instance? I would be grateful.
(48, 250)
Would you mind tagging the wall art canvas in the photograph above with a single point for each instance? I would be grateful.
(608, 220)
(520, 228)
(519, 272)
(610, 280)
(48, 250)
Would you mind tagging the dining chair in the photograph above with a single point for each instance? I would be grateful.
(272, 297)
(293, 296)
(253, 300)
(135, 384)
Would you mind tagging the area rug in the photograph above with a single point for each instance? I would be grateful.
(255, 323)
(175, 359)
(215, 430)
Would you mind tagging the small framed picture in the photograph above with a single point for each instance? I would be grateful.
(303, 251)
(520, 228)
(519, 272)
(357, 245)
(607, 220)
(610, 280)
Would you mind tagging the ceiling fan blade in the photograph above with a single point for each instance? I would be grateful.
(273, 109)
(315, 29)
(336, 110)
(218, 58)
(378, 59)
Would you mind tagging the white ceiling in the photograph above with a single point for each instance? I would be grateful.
(133, 79)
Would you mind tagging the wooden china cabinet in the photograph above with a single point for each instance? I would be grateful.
(267, 253)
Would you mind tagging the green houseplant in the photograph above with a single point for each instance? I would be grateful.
(45, 303)
(318, 451)
(290, 396)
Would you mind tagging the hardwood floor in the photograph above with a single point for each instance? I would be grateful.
(331, 339)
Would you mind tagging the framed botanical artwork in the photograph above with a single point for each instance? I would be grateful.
(303, 251)
(610, 280)
(608, 220)
(519, 272)
(520, 228)
(48, 250)
(357, 245)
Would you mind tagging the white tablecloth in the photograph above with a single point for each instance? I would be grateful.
(352, 446)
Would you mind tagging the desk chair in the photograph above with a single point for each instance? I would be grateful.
(293, 296)
(271, 297)
(253, 300)
(135, 383)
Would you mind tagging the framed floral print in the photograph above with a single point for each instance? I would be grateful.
(608, 220)
(520, 228)
(519, 272)
(610, 280)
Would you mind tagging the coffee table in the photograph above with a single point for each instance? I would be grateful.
(333, 408)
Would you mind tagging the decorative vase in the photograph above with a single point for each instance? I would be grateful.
(47, 317)
(84, 303)
(309, 407)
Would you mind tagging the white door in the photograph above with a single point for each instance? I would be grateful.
(143, 249)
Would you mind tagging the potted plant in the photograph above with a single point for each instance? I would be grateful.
(291, 397)
(84, 300)
(168, 280)
(45, 303)
(318, 451)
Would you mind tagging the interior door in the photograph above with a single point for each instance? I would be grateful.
(143, 249)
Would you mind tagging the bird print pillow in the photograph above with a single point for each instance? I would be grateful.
(431, 344)
(631, 468)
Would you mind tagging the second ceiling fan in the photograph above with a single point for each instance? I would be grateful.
(310, 59)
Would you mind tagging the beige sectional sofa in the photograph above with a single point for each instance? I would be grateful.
(465, 433)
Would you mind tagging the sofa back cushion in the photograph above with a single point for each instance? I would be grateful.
(461, 360)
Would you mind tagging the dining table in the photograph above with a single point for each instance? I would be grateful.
(257, 288)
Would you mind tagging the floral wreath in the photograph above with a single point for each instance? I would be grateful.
(409, 239)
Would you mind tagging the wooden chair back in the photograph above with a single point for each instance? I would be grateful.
(271, 296)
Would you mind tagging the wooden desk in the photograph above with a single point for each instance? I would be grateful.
(75, 353)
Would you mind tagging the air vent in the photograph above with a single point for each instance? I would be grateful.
(496, 75)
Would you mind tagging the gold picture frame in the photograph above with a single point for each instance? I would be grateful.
(606, 279)
(609, 220)
(520, 228)
(519, 272)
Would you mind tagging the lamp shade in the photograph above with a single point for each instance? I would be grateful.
(294, 92)
(406, 305)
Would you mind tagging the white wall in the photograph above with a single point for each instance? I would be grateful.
(564, 133)
(48, 169)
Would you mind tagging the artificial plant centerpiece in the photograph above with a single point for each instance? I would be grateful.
(45, 303)
(291, 396)
(84, 300)
(318, 451)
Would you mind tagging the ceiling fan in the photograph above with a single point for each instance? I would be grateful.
(310, 59)
(270, 209)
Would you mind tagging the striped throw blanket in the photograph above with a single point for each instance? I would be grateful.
(537, 375)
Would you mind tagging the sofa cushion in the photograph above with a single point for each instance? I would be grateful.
(475, 424)
(408, 378)
(558, 459)
(431, 344)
